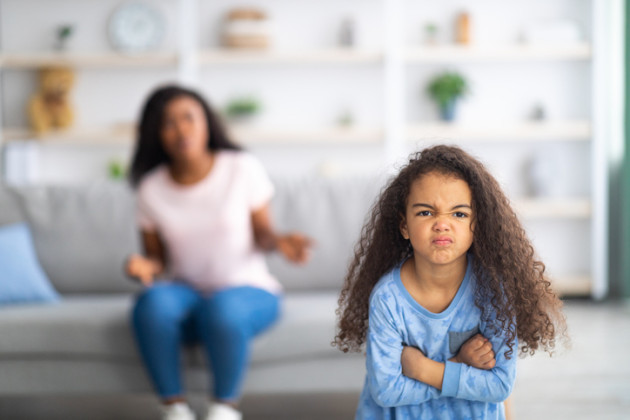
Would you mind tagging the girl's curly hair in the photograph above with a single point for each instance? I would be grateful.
(509, 277)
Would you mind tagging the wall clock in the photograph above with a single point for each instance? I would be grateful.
(136, 27)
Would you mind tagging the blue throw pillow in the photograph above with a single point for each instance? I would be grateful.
(22, 279)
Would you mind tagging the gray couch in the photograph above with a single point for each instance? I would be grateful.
(83, 345)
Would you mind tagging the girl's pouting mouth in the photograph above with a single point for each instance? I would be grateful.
(442, 241)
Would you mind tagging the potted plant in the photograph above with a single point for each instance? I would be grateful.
(64, 33)
(116, 170)
(431, 31)
(445, 89)
(242, 109)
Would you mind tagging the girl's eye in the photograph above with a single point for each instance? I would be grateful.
(424, 213)
(460, 215)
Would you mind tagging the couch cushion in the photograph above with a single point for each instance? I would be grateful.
(332, 212)
(21, 276)
(98, 327)
(83, 235)
(9, 208)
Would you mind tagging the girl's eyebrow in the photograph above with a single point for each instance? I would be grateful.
(459, 206)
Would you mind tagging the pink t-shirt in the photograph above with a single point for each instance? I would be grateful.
(206, 227)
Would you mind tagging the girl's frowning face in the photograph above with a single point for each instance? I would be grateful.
(439, 219)
(184, 129)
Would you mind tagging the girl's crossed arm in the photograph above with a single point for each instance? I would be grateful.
(387, 384)
(461, 380)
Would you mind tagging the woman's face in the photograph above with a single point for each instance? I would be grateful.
(438, 219)
(184, 130)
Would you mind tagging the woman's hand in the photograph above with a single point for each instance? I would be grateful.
(295, 247)
(476, 352)
(142, 268)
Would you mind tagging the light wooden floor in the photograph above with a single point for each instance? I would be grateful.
(589, 381)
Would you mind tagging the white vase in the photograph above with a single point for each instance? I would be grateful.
(546, 173)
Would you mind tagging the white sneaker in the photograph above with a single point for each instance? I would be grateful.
(218, 411)
(177, 411)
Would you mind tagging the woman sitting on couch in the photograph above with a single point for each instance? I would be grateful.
(203, 211)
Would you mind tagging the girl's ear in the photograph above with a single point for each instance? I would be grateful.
(403, 227)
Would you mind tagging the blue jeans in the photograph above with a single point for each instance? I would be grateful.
(168, 315)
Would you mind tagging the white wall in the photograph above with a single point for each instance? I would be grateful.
(307, 96)
(299, 95)
(293, 96)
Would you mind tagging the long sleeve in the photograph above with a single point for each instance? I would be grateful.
(387, 385)
(494, 385)
(397, 319)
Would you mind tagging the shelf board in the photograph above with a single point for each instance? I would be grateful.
(577, 285)
(348, 135)
(82, 136)
(124, 134)
(89, 60)
(553, 208)
(328, 56)
(261, 134)
(506, 132)
(516, 52)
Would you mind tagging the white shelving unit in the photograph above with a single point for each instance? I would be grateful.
(516, 52)
(574, 223)
(205, 58)
(574, 208)
(329, 56)
(347, 135)
(251, 134)
(392, 64)
(504, 132)
(573, 285)
(105, 60)
(121, 135)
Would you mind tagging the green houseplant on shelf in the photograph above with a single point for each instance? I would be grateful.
(242, 109)
(445, 89)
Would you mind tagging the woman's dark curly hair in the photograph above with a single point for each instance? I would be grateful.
(149, 152)
(510, 279)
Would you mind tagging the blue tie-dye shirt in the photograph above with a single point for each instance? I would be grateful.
(467, 392)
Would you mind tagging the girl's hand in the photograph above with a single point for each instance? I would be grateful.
(295, 247)
(476, 352)
(142, 268)
(411, 359)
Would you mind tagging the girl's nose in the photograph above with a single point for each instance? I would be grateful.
(441, 223)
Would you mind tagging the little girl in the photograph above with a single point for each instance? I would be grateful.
(203, 210)
(445, 290)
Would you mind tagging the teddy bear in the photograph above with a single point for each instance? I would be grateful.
(50, 107)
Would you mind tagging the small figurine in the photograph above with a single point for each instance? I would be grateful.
(538, 113)
(462, 29)
(346, 119)
(347, 33)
